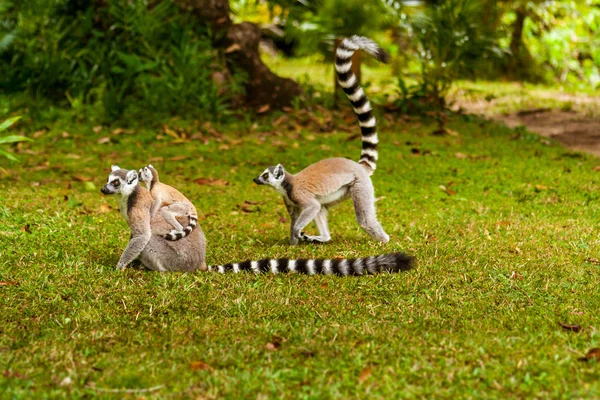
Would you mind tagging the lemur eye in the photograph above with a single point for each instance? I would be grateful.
(265, 175)
(116, 182)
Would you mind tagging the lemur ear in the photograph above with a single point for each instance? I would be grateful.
(150, 166)
(114, 167)
(278, 171)
(131, 177)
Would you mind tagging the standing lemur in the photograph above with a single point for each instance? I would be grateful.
(171, 202)
(309, 194)
(148, 242)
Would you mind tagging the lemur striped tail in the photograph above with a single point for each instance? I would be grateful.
(358, 98)
(176, 235)
(391, 262)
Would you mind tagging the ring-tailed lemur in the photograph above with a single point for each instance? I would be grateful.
(309, 193)
(188, 254)
(171, 203)
(148, 233)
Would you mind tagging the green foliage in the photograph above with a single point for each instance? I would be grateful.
(123, 57)
(449, 41)
(562, 36)
(10, 138)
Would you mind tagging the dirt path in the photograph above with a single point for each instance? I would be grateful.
(577, 127)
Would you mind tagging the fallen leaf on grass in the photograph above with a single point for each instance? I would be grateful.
(593, 260)
(280, 120)
(593, 354)
(596, 168)
(249, 207)
(10, 374)
(26, 228)
(541, 187)
(272, 346)
(365, 374)
(516, 275)
(324, 285)
(8, 283)
(104, 208)
(178, 158)
(263, 109)
(211, 182)
(200, 366)
(97, 129)
(103, 140)
(570, 327)
(449, 192)
(461, 155)
(38, 134)
(81, 178)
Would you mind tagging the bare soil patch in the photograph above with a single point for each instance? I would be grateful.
(577, 128)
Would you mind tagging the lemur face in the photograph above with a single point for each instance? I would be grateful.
(120, 181)
(145, 175)
(272, 176)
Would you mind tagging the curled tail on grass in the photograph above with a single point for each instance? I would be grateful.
(391, 263)
(356, 94)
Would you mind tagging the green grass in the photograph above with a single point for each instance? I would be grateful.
(502, 262)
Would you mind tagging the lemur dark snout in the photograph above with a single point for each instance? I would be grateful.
(258, 181)
(105, 190)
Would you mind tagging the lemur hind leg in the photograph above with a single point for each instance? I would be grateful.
(363, 196)
(322, 226)
(171, 212)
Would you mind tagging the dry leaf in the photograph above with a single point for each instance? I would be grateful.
(38, 134)
(451, 132)
(26, 229)
(516, 275)
(596, 168)
(449, 192)
(324, 285)
(97, 129)
(8, 283)
(541, 187)
(364, 374)
(593, 260)
(178, 158)
(280, 120)
(570, 327)
(233, 48)
(593, 354)
(171, 132)
(81, 178)
(263, 109)
(461, 155)
(200, 366)
(211, 182)
(103, 140)
(104, 208)
(502, 223)
(65, 135)
(272, 346)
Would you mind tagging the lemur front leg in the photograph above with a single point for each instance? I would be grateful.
(155, 206)
(134, 248)
(308, 212)
(322, 226)
(293, 213)
(363, 197)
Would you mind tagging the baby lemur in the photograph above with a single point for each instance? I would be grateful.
(309, 194)
(188, 254)
(171, 202)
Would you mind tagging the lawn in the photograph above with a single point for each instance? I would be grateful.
(503, 224)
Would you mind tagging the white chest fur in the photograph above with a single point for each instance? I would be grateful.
(123, 207)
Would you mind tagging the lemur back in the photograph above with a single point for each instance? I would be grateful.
(309, 193)
(148, 243)
(170, 202)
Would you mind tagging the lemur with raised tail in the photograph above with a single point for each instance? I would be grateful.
(188, 254)
(171, 203)
(309, 193)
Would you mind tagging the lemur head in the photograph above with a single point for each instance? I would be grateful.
(272, 176)
(147, 174)
(121, 181)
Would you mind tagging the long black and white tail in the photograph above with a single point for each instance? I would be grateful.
(176, 235)
(391, 262)
(358, 98)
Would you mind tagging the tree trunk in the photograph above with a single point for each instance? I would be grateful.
(521, 61)
(239, 43)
